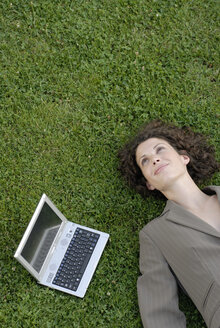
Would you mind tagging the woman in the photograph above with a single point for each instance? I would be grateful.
(181, 246)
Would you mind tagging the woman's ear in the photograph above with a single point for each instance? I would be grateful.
(184, 156)
(149, 186)
(186, 159)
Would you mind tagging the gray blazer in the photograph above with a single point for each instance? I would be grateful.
(178, 247)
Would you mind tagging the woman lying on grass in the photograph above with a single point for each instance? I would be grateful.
(182, 246)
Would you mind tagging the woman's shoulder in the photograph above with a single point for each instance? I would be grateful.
(172, 210)
(155, 223)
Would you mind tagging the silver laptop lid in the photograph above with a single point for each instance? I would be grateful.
(39, 237)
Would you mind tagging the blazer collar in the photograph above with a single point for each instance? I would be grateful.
(177, 214)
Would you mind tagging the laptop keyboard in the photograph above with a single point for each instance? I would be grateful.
(76, 259)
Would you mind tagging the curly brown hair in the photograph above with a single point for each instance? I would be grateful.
(202, 155)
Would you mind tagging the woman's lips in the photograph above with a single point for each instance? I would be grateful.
(160, 168)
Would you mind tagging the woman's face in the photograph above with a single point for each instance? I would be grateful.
(160, 163)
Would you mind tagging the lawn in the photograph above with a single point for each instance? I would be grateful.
(77, 79)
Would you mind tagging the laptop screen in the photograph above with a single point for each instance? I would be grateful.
(41, 237)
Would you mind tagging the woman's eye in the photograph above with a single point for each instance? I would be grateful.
(160, 148)
(144, 161)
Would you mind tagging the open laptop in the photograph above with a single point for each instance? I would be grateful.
(60, 254)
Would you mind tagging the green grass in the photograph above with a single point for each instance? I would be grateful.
(77, 79)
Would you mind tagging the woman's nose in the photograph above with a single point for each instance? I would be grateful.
(156, 160)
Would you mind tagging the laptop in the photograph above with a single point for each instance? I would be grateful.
(60, 254)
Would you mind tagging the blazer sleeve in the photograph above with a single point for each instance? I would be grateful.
(157, 289)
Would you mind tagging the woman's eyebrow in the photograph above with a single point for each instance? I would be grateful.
(143, 156)
(160, 143)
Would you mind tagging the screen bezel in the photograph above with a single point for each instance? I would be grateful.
(18, 254)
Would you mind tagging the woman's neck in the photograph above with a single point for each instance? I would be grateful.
(187, 194)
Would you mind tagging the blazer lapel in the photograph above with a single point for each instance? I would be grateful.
(177, 214)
